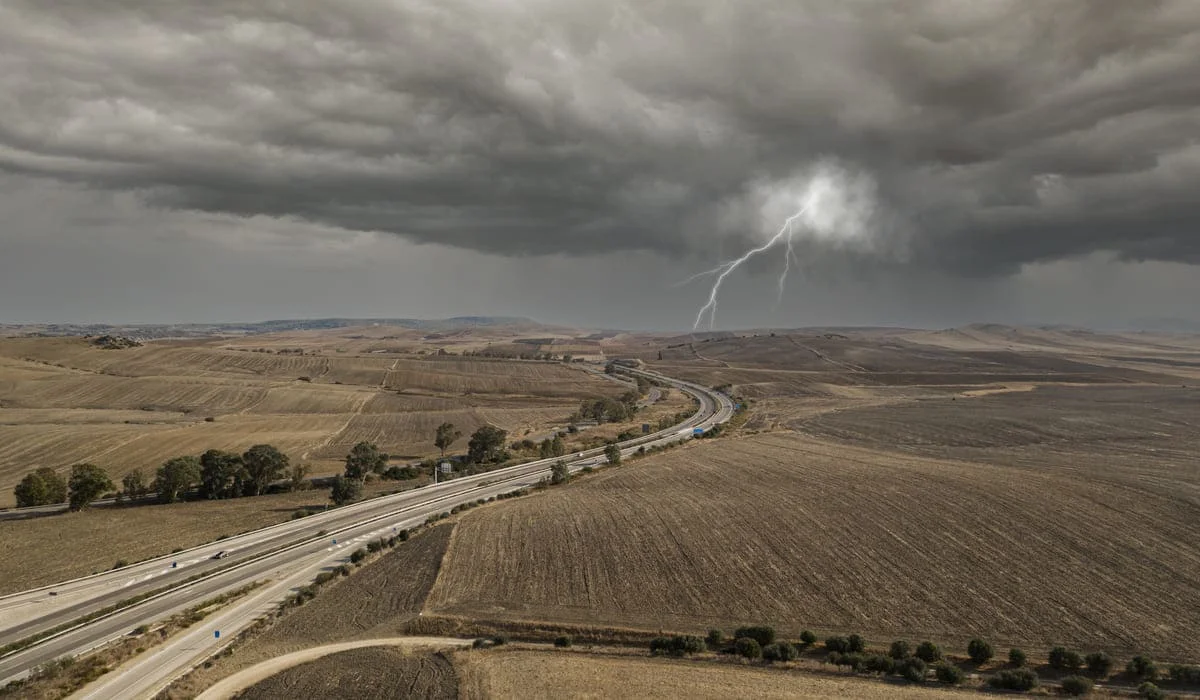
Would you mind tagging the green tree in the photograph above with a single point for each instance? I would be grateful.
(133, 484)
(222, 475)
(928, 652)
(559, 474)
(612, 453)
(948, 674)
(900, 649)
(41, 487)
(1098, 663)
(345, 490)
(176, 476)
(264, 464)
(557, 448)
(299, 473)
(445, 437)
(1142, 667)
(979, 651)
(747, 647)
(1016, 657)
(486, 444)
(364, 458)
(86, 484)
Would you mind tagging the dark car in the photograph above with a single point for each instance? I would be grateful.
(220, 555)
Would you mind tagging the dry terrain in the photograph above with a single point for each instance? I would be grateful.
(542, 674)
(312, 394)
(363, 674)
(800, 533)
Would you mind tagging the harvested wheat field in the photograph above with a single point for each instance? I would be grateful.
(542, 674)
(363, 674)
(66, 400)
(797, 532)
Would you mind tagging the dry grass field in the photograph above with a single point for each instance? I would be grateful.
(65, 400)
(519, 673)
(371, 673)
(796, 532)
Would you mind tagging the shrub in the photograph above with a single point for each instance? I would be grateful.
(1015, 679)
(838, 644)
(677, 645)
(779, 651)
(979, 651)
(1076, 685)
(479, 643)
(948, 674)
(928, 652)
(911, 669)
(747, 647)
(878, 663)
(1151, 692)
(1098, 663)
(1065, 659)
(807, 638)
(1016, 657)
(715, 639)
(563, 641)
(1141, 667)
(762, 634)
(358, 555)
(499, 640)
(900, 649)
(857, 644)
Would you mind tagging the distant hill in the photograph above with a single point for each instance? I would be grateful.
(196, 330)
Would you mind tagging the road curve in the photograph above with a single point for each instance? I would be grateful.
(286, 556)
(245, 678)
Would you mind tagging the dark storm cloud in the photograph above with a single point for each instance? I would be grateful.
(999, 132)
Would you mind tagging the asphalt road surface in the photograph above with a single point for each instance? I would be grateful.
(285, 556)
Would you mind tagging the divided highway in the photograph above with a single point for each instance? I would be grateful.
(286, 556)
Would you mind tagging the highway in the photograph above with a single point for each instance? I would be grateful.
(286, 556)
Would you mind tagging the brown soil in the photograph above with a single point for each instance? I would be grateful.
(363, 674)
(796, 532)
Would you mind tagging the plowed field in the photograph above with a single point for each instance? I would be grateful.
(64, 401)
(796, 532)
(372, 673)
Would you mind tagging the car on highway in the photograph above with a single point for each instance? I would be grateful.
(220, 555)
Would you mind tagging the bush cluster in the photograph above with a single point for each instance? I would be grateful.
(1179, 673)
(1098, 663)
(979, 651)
(762, 634)
(900, 649)
(747, 647)
(1142, 667)
(1076, 685)
(948, 674)
(911, 669)
(807, 638)
(1064, 659)
(1151, 692)
(779, 651)
(563, 641)
(928, 652)
(1014, 679)
(679, 645)
(1016, 657)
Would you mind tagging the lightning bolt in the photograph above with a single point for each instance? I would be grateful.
(724, 269)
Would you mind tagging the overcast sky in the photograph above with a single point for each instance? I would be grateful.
(1026, 162)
